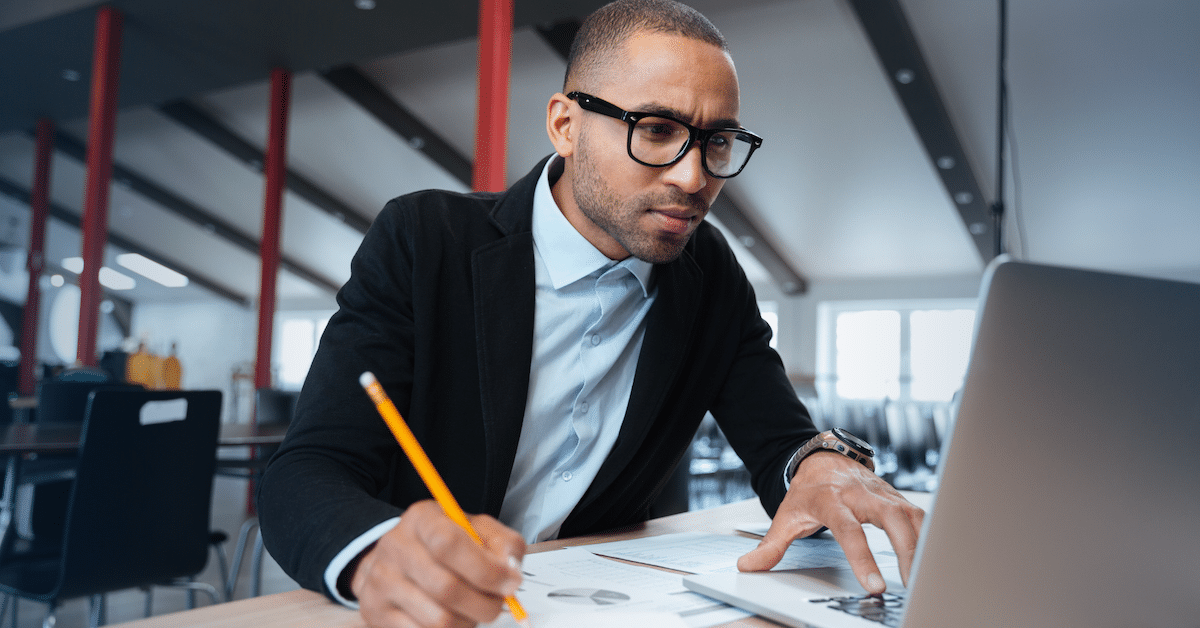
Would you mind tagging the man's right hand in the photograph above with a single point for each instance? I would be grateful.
(427, 571)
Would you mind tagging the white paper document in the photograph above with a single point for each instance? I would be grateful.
(572, 583)
(703, 552)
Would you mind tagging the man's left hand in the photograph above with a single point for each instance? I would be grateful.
(833, 491)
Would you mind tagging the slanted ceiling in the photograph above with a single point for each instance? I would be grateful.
(1104, 136)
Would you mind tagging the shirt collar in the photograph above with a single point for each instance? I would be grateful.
(568, 255)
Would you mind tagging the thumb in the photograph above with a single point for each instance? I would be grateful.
(768, 553)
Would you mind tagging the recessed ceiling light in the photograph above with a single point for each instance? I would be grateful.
(114, 280)
(365, 5)
(109, 278)
(57, 281)
(152, 270)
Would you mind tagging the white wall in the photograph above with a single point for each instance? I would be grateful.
(212, 339)
(797, 343)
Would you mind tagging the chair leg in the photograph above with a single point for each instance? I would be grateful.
(48, 620)
(97, 617)
(239, 551)
(149, 591)
(192, 586)
(222, 563)
(256, 565)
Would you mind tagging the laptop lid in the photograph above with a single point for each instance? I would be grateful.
(1069, 490)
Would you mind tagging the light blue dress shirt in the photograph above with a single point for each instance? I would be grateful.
(590, 319)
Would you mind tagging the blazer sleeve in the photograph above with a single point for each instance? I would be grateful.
(323, 487)
(757, 407)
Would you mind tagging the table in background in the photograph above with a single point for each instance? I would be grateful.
(308, 608)
(34, 438)
(22, 440)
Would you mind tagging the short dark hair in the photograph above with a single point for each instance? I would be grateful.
(603, 34)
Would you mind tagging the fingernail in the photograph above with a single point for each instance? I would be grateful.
(875, 584)
(510, 587)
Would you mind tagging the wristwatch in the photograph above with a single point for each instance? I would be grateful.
(836, 440)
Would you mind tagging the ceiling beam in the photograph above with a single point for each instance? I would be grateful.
(187, 210)
(208, 127)
(374, 100)
(64, 215)
(740, 222)
(903, 63)
(741, 225)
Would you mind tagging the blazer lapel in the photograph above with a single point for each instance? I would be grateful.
(503, 276)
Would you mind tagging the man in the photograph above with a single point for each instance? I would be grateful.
(554, 348)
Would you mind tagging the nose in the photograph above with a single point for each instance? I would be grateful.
(688, 173)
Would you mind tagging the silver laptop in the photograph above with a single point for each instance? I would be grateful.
(1069, 492)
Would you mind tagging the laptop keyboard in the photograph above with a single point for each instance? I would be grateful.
(885, 609)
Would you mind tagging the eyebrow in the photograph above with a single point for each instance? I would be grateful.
(659, 110)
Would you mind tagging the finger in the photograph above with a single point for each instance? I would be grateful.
(903, 528)
(407, 569)
(850, 536)
(488, 568)
(458, 573)
(389, 599)
(500, 540)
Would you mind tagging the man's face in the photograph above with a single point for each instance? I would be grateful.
(626, 208)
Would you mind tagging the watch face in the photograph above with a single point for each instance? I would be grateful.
(853, 441)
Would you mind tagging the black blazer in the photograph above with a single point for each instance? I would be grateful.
(440, 306)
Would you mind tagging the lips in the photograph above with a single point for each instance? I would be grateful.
(676, 222)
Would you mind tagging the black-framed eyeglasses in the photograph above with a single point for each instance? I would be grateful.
(657, 140)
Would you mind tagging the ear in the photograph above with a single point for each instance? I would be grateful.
(560, 126)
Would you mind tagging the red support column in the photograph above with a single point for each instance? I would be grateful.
(39, 205)
(275, 169)
(491, 121)
(106, 65)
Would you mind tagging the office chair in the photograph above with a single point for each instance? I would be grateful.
(139, 507)
(44, 482)
(271, 407)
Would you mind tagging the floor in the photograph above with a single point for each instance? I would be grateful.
(228, 513)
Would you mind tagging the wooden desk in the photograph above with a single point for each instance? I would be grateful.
(306, 608)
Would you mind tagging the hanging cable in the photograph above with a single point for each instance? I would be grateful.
(1001, 104)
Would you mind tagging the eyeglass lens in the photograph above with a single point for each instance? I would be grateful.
(658, 141)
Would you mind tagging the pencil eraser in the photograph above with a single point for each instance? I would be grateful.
(366, 379)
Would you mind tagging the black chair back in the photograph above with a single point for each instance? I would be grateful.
(273, 406)
(140, 506)
(61, 401)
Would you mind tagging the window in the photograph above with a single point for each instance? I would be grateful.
(770, 314)
(299, 335)
(902, 350)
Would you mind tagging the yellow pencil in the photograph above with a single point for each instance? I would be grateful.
(424, 467)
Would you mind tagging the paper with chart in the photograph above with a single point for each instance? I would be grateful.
(703, 552)
(571, 582)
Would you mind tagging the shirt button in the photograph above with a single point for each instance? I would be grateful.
(583, 408)
(566, 476)
(595, 339)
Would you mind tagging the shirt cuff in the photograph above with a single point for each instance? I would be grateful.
(348, 554)
(792, 464)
